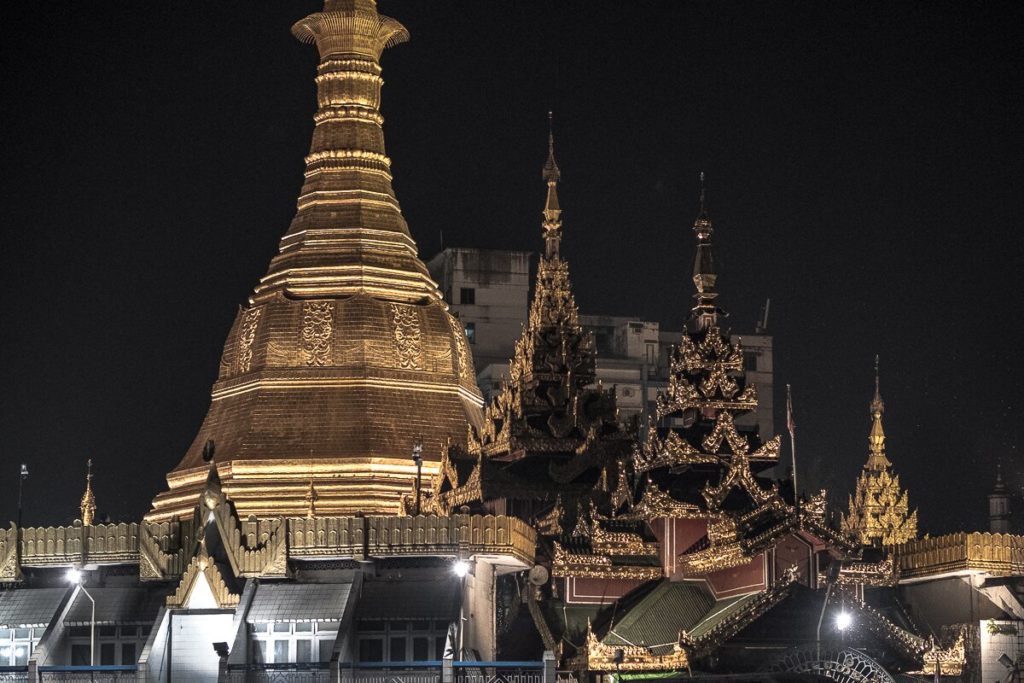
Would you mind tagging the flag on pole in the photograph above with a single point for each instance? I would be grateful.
(790, 423)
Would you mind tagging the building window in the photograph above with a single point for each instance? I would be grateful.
(287, 642)
(80, 655)
(750, 361)
(467, 295)
(402, 641)
(114, 644)
(471, 333)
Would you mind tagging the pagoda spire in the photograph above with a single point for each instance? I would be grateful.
(348, 235)
(554, 360)
(552, 210)
(876, 438)
(88, 504)
(317, 368)
(705, 312)
(999, 505)
(879, 511)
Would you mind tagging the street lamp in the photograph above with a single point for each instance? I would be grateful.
(76, 577)
(417, 457)
(461, 568)
(844, 620)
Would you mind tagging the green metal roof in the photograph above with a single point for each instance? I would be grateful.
(656, 620)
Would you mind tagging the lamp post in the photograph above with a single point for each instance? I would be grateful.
(461, 569)
(75, 576)
(417, 457)
(23, 475)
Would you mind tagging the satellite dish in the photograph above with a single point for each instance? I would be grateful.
(538, 575)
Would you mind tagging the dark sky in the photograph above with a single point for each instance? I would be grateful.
(865, 171)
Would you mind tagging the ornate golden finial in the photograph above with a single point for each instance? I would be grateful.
(877, 406)
(88, 505)
(876, 439)
(704, 276)
(552, 210)
(311, 498)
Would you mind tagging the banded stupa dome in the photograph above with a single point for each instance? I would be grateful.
(346, 355)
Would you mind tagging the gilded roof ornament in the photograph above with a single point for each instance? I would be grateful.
(88, 504)
(552, 209)
(879, 511)
(705, 313)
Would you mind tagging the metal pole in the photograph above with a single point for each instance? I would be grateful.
(821, 617)
(22, 475)
(417, 457)
(419, 481)
(92, 628)
(791, 426)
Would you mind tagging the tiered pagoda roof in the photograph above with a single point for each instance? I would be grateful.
(550, 436)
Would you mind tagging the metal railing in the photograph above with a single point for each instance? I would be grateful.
(391, 672)
(313, 672)
(498, 672)
(13, 674)
(93, 674)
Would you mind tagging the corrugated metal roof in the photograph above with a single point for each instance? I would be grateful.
(409, 600)
(656, 620)
(30, 606)
(117, 605)
(300, 602)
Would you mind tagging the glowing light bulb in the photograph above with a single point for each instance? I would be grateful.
(74, 575)
(843, 621)
(460, 568)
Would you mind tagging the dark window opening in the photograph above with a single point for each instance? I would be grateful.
(467, 295)
(750, 361)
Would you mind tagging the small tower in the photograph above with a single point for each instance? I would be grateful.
(311, 497)
(999, 505)
(879, 512)
(88, 504)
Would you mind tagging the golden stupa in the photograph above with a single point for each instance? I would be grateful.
(346, 354)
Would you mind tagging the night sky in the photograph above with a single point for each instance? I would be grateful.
(865, 171)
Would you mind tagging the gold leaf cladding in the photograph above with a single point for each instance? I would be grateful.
(246, 336)
(725, 430)
(408, 349)
(462, 349)
(317, 328)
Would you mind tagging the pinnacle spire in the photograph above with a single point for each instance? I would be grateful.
(552, 210)
(88, 504)
(877, 460)
(704, 275)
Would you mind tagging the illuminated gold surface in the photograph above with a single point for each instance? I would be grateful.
(997, 554)
(346, 353)
(601, 657)
(878, 509)
(88, 504)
